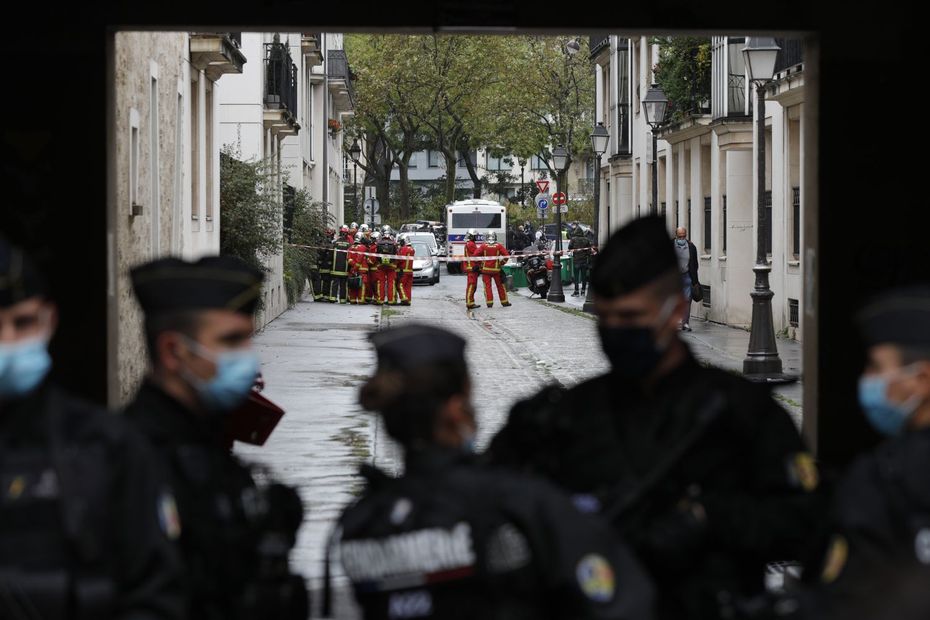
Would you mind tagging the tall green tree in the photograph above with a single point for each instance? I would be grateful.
(684, 72)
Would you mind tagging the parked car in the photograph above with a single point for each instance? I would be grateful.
(425, 263)
(422, 237)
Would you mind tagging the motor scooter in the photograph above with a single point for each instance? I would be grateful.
(534, 268)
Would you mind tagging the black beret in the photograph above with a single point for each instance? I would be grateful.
(900, 316)
(169, 285)
(19, 277)
(633, 257)
(415, 345)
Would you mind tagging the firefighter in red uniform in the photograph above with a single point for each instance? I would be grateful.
(491, 269)
(358, 268)
(374, 274)
(472, 267)
(353, 232)
(405, 281)
(387, 267)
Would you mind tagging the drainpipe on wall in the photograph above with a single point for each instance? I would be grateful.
(325, 121)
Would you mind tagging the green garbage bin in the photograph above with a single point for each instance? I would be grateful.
(566, 269)
(519, 278)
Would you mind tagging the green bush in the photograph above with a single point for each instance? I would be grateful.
(308, 228)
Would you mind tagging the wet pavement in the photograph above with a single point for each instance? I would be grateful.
(316, 356)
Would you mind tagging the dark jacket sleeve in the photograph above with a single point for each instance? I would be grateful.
(587, 570)
(148, 566)
(780, 505)
(693, 263)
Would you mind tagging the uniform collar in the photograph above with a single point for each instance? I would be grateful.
(161, 415)
(433, 459)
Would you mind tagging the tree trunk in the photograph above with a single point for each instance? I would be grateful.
(403, 167)
(450, 175)
(473, 173)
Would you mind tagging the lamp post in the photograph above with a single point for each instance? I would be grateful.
(522, 183)
(762, 362)
(655, 105)
(355, 152)
(560, 163)
(599, 140)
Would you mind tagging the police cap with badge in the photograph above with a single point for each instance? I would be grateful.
(172, 285)
(633, 257)
(19, 277)
(900, 317)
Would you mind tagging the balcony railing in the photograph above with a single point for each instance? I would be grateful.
(598, 41)
(280, 78)
(337, 68)
(791, 54)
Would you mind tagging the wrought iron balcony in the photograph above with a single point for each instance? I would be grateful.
(216, 53)
(281, 84)
(340, 79)
(597, 42)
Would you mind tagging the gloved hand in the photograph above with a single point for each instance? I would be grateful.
(671, 540)
(476, 268)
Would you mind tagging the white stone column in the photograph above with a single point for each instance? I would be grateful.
(741, 206)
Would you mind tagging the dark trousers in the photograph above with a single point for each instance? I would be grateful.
(326, 279)
(316, 285)
(580, 276)
(339, 289)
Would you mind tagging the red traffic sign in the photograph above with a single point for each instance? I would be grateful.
(559, 198)
(543, 186)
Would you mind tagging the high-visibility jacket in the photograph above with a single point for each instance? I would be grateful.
(341, 257)
(492, 249)
(471, 249)
(406, 264)
(373, 261)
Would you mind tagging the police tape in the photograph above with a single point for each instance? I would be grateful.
(458, 258)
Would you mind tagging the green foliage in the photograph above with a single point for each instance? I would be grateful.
(684, 73)
(308, 225)
(250, 208)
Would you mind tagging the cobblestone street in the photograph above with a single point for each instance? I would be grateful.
(316, 356)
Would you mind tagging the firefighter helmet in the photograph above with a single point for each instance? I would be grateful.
(376, 235)
(472, 233)
(386, 230)
(402, 240)
(354, 226)
(364, 228)
(492, 236)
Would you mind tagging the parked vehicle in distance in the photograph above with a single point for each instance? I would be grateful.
(425, 264)
(482, 215)
(422, 237)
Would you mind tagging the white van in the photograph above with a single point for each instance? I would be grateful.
(482, 215)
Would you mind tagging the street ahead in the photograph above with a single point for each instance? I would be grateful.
(316, 356)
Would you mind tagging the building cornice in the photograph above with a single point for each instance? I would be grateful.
(788, 87)
(733, 134)
(692, 127)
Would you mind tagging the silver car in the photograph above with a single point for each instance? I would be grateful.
(425, 264)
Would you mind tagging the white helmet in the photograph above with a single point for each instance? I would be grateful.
(354, 226)
(376, 235)
(492, 236)
(386, 230)
(364, 228)
(472, 233)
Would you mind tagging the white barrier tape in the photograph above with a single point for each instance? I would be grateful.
(459, 258)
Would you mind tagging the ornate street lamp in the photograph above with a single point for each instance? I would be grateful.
(655, 104)
(560, 163)
(599, 140)
(573, 47)
(762, 362)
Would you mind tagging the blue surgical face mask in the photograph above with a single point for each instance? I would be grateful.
(23, 366)
(887, 417)
(235, 376)
(681, 242)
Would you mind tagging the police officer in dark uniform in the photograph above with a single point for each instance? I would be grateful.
(700, 470)
(85, 519)
(453, 539)
(236, 535)
(879, 547)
